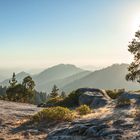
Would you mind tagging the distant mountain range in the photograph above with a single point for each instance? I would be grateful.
(54, 75)
(112, 77)
(69, 77)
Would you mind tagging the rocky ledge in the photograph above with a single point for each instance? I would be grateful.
(118, 124)
(106, 122)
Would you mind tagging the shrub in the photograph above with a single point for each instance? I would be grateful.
(53, 101)
(72, 100)
(123, 102)
(113, 94)
(56, 114)
(83, 110)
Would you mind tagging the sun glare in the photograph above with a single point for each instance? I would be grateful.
(136, 23)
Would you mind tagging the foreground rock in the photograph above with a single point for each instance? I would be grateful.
(117, 124)
(105, 123)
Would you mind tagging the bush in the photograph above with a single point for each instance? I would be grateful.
(56, 114)
(53, 101)
(123, 102)
(72, 100)
(113, 94)
(83, 110)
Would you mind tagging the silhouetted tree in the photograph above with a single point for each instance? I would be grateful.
(54, 92)
(134, 67)
(28, 83)
(13, 81)
(28, 89)
(63, 94)
(15, 93)
(21, 92)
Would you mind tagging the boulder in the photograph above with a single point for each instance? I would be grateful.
(86, 98)
(98, 102)
(94, 98)
(83, 90)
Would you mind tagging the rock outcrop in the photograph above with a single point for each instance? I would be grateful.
(119, 124)
(94, 129)
(100, 91)
(133, 97)
(104, 123)
(95, 98)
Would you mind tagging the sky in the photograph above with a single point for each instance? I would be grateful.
(42, 33)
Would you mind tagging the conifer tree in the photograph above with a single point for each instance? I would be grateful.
(63, 94)
(134, 67)
(54, 92)
(13, 81)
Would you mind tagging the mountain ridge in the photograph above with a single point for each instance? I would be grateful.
(69, 77)
(114, 76)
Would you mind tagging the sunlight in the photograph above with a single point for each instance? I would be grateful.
(136, 23)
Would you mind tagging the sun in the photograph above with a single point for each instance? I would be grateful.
(136, 23)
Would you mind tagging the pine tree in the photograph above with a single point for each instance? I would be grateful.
(63, 94)
(28, 83)
(134, 67)
(54, 92)
(21, 92)
(13, 81)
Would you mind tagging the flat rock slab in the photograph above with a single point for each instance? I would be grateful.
(11, 116)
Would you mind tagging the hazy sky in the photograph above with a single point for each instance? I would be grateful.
(40, 33)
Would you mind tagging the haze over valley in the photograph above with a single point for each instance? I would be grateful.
(69, 69)
(69, 77)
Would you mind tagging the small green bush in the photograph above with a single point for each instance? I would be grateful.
(83, 110)
(56, 114)
(123, 102)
